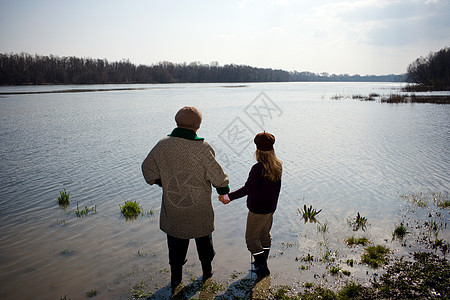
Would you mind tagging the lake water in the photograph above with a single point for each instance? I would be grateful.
(342, 156)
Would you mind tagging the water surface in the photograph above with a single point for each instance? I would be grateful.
(342, 156)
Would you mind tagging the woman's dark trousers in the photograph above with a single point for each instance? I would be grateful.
(177, 256)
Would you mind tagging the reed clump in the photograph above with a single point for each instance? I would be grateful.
(395, 98)
(434, 99)
(371, 97)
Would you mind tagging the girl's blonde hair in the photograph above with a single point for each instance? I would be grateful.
(272, 165)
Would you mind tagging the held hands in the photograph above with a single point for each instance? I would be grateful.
(224, 199)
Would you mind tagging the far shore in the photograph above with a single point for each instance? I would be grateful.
(393, 98)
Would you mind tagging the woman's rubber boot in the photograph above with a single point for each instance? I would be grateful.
(176, 274)
(207, 270)
(261, 268)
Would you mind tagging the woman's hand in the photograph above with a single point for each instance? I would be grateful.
(224, 199)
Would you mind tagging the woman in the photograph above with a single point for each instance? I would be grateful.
(262, 189)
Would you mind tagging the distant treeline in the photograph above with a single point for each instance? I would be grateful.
(19, 69)
(431, 72)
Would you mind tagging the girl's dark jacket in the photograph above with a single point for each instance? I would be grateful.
(262, 193)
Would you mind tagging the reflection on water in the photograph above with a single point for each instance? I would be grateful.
(344, 157)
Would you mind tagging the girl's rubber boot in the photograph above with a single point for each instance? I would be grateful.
(266, 253)
(261, 268)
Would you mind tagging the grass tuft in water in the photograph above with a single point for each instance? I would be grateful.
(375, 256)
(309, 213)
(131, 209)
(434, 227)
(419, 199)
(357, 241)
(140, 290)
(212, 287)
(441, 200)
(141, 254)
(63, 199)
(92, 293)
(399, 232)
(308, 285)
(358, 222)
(281, 292)
(351, 291)
(350, 262)
(318, 293)
(323, 228)
(307, 258)
(335, 270)
(150, 213)
(67, 252)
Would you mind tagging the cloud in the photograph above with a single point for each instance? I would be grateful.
(387, 23)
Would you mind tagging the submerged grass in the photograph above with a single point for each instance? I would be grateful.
(86, 211)
(427, 277)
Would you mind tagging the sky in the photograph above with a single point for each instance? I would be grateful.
(366, 37)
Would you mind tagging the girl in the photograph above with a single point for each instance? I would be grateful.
(262, 189)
